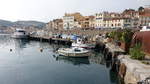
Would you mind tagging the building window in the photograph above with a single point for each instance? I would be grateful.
(104, 25)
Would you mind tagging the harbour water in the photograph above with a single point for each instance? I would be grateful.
(26, 64)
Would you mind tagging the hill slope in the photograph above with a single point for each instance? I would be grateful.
(22, 23)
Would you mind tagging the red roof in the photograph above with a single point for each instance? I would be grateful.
(145, 15)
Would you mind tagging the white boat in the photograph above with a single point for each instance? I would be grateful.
(145, 28)
(20, 33)
(74, 52)
(81, 44)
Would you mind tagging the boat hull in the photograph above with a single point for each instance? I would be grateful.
(20, 36)
(73, 54)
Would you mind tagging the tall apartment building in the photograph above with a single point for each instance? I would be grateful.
(99, 18)
(71, 21)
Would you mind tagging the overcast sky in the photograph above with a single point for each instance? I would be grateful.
(45, 10)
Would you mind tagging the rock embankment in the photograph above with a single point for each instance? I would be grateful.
(135, 71)
(132, 71)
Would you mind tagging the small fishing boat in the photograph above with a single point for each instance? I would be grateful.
(20, 34)
(80, 43)
(74, 52)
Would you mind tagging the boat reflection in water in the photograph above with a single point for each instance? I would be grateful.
(74, 61)
(95, 58)
(20, 43)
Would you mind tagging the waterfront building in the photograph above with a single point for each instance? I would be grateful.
(117, 23)
(56, 24)
(113, 20)
(49, 25)
(88, 22)
(102, 20)
(130, 13)
(115, 15)
(135, 22)
(92, 21)
(71, 21)
(99, 18)
(144, 17)
(129, 18)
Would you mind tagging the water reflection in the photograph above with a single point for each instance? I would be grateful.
(108, 64)
(30, 66)
(113, 76)
(74, 61)
(97, 58)
(20, 43)
(6, 42)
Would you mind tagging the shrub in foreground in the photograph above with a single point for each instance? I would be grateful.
(136, 52)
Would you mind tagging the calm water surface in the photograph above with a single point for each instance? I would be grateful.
(27, 65)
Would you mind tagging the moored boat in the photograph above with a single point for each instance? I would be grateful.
(20, 34)
(74, 52)
(82, 44)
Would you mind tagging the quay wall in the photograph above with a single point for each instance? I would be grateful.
(51, 40)
(131, 71)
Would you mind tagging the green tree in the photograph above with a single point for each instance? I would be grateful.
(127, 36)
(141, 9)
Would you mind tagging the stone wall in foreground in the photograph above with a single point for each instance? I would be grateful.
(135, 71)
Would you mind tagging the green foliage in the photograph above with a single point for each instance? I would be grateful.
(136, 52)
(124, 35)
(140, 9)
(112, 34)
(127, 36)
(118, 35)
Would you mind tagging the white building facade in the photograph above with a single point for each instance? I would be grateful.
(99, 17)
(144, 20)
(118, 23)
(68, 22)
